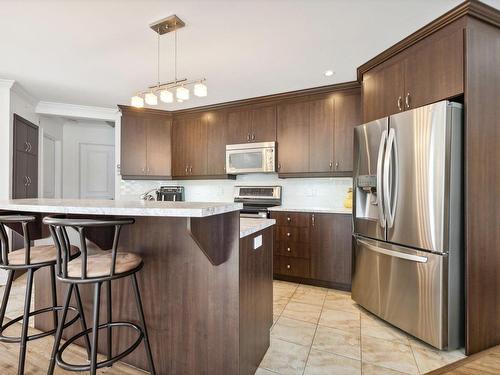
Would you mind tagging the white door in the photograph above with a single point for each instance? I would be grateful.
(97, 177)
(49, 167)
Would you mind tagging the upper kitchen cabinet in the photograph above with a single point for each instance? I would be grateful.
(145, 144)
(321, 128)
(252, 125)
(428, 71)
(217, 138)
(347, 116)
(189, 151)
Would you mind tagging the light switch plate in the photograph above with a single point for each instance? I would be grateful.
(257, 242)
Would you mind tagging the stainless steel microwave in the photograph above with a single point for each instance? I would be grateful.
(251, 158)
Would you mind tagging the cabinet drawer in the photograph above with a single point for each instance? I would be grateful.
(294, 266)
(294, 219)
(293, 249)
(293, 234)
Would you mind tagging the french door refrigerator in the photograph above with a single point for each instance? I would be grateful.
(408, 222)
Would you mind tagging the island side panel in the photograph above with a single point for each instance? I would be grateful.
(191, 306)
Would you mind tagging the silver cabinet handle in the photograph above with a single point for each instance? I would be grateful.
(190, 169)
(380, 193)
(407, 100)
(288, 266)
(279, 166)
(187, 169)
(288, 249)
(288, 219)
(248, 137)
(253, 137)
(313, 220)
(26, 181)
(331, 164)
(288, 234)
(400, 103)
(337, 165)
(27, 147)
(29, 181)
(392, 253)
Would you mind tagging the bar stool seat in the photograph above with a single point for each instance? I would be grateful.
(100, 265)
(38, 254)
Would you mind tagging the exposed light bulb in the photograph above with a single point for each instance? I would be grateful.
(182, 93)
(151, 99)
(200, 90)
(329, 73)
(137, 101)
(166, 96)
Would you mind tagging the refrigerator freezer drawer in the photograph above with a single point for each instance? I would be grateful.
(403, 286)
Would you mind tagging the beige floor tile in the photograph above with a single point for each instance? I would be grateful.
(312, 288)
(343, 320)
(375, 327)
(323, 363)
(335, 302)
(295, 331)
(279, 305)
(429, 358)
(285, 357)
(309, 295)
(263, 371)
(275, 317)
(302, 311)
(390, 354)
(338, 342)
(370, 369)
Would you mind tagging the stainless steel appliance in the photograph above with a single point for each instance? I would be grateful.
(408, 222)
(257, 199)
(251, 158)
(170, 193)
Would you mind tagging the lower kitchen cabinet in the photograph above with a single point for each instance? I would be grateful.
(313, 248)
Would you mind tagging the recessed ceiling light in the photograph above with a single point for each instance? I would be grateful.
(329, 73)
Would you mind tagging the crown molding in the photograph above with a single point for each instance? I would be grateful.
(77, 111)
(471, 8)
(6, 83)
(21, 91)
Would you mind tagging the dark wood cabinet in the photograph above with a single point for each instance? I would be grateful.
(347, 116)
(293, 137)
(145, 144)
(429, 71)
(321, 134)
(189, 152)
(313, 248)
(217, 138)
(25, 159)
(331, 244)
(252, 125)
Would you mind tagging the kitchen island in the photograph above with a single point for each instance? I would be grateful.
(207, 293)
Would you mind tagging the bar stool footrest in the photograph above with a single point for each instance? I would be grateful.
(11, 339)
(107, 363)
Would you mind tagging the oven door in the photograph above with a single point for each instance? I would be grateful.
(250, 158)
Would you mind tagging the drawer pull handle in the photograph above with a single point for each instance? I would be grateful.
(288, 249)
(288, 266)
(288, 219)
(288, 234)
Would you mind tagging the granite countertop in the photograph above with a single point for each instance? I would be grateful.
(249, 226)
(322, 210)
(120, 208)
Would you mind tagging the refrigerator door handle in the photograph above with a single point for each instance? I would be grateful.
(390, 199)
(392, 253)
(380, 162)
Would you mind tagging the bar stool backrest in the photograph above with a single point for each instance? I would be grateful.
(58, 229)
(4, 240)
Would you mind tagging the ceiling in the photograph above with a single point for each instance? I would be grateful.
(99, 53)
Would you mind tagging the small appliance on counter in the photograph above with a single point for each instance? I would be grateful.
(170, 193)
(257, 199)
(251, 158)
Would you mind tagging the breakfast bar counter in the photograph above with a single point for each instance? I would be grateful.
(207, 293)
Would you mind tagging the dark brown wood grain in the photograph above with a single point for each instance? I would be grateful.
(347, 116)
(133, 159)
(263, 124)
(217, 138)
(238, 126)
(321, 128)
(159, 149)
(290, 266)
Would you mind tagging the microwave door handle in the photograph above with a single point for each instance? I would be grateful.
(380, 161)
(392, 253)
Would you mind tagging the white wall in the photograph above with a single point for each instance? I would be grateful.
(74, 133)
(5, 139)
(297, 192)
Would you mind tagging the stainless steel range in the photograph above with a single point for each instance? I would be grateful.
(257, 199)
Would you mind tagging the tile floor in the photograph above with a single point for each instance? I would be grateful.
(322, 331)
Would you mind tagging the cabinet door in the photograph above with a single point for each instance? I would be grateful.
(20, 181)
(347, 116)
(32, 173)
(133, 146)
(197, 146)
(331, 248)
(238, 126)
(32, 138)
(263, 124)
(159, 133)
(321, 125)
(179, 148)
(434, 69)
(382, 88)
(293, 137)
(217, 134)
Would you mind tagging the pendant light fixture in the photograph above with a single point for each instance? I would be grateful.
(178, 86)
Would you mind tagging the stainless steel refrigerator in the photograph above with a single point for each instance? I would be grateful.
(408, 222)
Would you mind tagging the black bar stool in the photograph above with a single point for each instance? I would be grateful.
(31, 259)
(95, 269)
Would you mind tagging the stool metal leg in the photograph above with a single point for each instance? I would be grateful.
(83, 323)
(143, 323)
(26, 318)
(95, 329)
(60, 327)
(109, 313)
(54, 293)
(6, 294)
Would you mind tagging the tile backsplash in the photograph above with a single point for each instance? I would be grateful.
(297, 192)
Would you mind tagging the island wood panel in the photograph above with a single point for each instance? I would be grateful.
(482, 178)
(191, 306)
